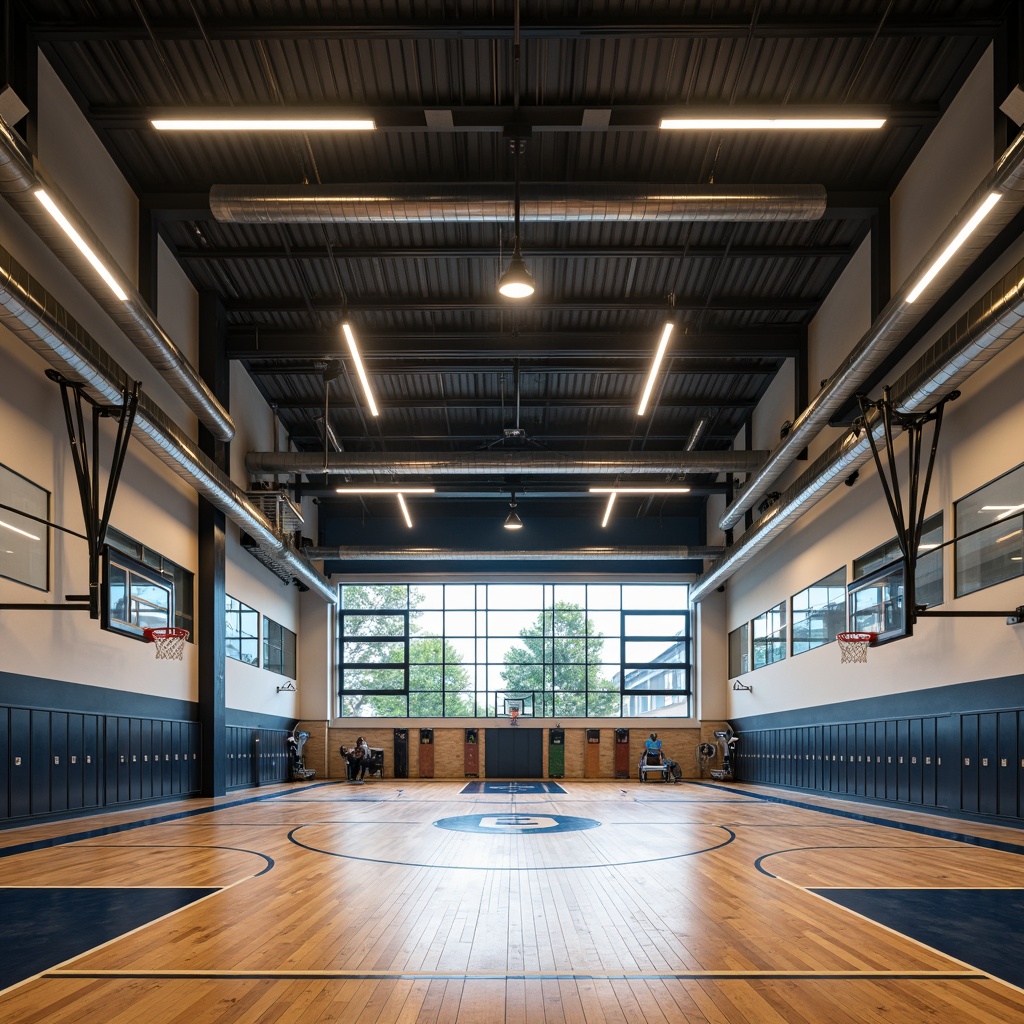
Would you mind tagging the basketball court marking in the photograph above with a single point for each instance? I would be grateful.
(518, 788)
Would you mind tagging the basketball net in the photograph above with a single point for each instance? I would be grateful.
(169, 642)
(853, 647)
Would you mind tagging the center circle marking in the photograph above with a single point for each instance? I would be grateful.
(516, 824)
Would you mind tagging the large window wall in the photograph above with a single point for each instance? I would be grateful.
(471, 649)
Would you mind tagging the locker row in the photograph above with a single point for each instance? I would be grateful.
(968, 762)
(256, 756)
(57, 761)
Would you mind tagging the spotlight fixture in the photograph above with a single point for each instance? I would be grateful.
(263, 124)
(354, 349)
(80, 244)
(613, 492)
(512, 520)
(947, 254)
(666, 333)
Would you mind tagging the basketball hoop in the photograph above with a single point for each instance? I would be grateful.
(169, 640)
(853, 647)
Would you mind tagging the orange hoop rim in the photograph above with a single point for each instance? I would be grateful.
(857, 638)
(163, 633)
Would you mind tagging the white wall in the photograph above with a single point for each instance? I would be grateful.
(980, 440)
(153, 505)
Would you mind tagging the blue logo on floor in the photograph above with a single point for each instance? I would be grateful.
(516, 824)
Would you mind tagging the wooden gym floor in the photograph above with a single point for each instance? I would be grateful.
(416, 901)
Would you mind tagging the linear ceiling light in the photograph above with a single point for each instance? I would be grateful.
(80, 244)
(608, 509)
(666, 333)
(613, 492)
(639, 490)
(263, 124)
(384, 490)
(405, 510)
(770, 123)
(354, 349)
(965, 232)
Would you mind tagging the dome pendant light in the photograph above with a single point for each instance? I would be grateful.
(517, 282)
(512, 520)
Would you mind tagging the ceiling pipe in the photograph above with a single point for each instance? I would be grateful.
(991, 324)
(405, 204)
(632, 554)
(29, 312)
(20, 178)
(893, 324)
(481, 463)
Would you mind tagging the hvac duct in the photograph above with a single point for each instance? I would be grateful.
(20, 178)
(989, 326)
(403, 204)
(33, 315)
(482, 463)
(633, 554)
(894, 323)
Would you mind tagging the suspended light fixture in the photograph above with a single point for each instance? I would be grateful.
(354, 350)
(517, 281)
(512, 520)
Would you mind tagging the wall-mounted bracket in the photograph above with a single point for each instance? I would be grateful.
(737, 685)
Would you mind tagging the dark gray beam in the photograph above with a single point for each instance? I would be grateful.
(378, 304)
(494, 119)
(981, 22)
(677, 364)
(576, 252)
(494, 346)
(313, 442)
(533, 404)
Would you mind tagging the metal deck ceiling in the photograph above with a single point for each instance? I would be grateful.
(442, 350)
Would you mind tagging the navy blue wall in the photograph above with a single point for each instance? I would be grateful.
(67, 748)
(957, 748)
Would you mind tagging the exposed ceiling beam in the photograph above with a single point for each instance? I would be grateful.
(483, 346)
(549, 117)
(983, 21)
(314, 442)
(340, 251)
(376, 304)
(680, 366)
(532, 403)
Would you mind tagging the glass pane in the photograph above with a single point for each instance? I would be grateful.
(460, 596)
(574, 593)
(570, 622)
(373, 625)
(461, 650)
(644, 651)
(990, 556)
(599, 649)
(426, 623)
(603, 595)
(571, 649)
(428, 650)
(603, 677)
(517, 595)
(459, 623)
(24, 543)
(426, 597)
(819, 612)
(373, 679)
(373, 652)
(998, 501)
(878, 607)
(654, 625)
(514, 623)
(604, 623)
(374, 706)
(426, 705)
(385, 596)
(655, 598)
(739, 653)
(118, 593)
